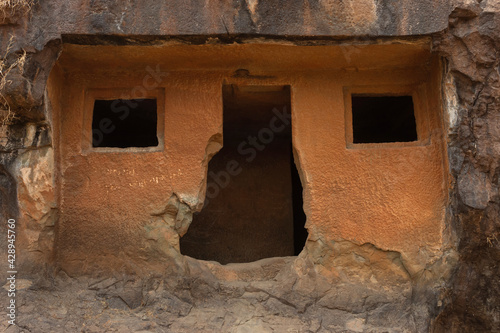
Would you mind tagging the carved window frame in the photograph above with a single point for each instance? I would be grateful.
(93, 94)
(420, 109)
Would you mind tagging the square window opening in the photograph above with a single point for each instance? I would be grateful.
(381, 119)
(121, 123)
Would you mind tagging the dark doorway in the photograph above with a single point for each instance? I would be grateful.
(253, 207)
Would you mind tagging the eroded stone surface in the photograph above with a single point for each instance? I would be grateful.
(471, 47)
(283, 300)
(348, 286)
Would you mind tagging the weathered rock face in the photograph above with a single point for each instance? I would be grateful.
(471, 47)
(365, 279)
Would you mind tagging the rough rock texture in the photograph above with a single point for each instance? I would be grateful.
(471, 46)
(139, 19)
(271, 295)
(28, 191)
(353, 288)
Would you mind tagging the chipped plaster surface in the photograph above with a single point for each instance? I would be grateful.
(344, 197)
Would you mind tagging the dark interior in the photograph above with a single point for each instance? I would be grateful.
(124, 123)
(253, 207)
(378, 119)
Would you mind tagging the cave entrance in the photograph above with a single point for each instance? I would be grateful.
(253, 205)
